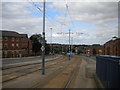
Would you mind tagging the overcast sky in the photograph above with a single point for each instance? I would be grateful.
(97, 21)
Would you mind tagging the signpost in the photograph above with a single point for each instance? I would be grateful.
(42, 48)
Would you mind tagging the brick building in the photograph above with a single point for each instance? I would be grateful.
(95, 49)
(15, 44)
(112, 47)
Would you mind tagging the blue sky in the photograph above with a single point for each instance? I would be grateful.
(51, 14)
(96, 21)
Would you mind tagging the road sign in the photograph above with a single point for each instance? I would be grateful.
(42, 48)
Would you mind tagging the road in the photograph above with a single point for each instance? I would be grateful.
(59, 73)
(88, 57)
(27, 76)
(24, 59)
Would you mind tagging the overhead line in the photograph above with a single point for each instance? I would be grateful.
(68, 12)
(47, 15)
(42, 13)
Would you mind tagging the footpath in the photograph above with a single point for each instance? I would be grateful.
(6, 66)
(86, 75)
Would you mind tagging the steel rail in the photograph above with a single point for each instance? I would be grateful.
(49, 64)
(71, 77)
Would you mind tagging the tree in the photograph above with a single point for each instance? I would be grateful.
(36, 42)
(47, 48)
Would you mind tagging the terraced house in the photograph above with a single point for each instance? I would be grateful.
(15, 44)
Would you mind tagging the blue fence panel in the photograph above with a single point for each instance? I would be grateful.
(108, 71)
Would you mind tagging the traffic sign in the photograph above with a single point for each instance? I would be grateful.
(42, 48)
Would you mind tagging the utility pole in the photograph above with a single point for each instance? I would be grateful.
(69, 45)
(51, 42)
(43, 41)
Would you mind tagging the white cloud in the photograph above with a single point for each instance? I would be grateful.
(19, 17)
(62, 0)
(93, 13)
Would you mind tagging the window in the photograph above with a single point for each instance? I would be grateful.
(6, 38)
(17, 39)
(5, 46)
(5, 53)
(0, 38)
(12, 53)
(13, 38)
(17, 45)
(13, 45)
(17, 53)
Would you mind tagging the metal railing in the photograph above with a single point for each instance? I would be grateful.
(108, 71)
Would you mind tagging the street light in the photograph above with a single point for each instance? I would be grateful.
(51, 41)
(70, 40)
(69, 45)
(43, 41)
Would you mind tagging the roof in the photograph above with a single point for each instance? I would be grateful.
(10, 33)
(13, 34)
(110, 41)
(24, 35)
(117, 39)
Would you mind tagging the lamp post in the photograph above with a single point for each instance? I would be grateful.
(70, 40)
(69, 45)
(51, 51)
(43, 41)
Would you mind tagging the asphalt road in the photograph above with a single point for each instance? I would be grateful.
(6, 61)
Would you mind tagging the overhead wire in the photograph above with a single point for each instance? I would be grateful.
(64, 21)
(67, 7)
(41, 11)
(47, 16)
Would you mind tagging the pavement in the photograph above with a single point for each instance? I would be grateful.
(24, 59)
(28, 62)
(85, 77)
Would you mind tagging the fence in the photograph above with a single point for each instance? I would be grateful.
(108, 71)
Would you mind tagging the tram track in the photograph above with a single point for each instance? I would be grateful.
(62, 78)
(9, 66)
(72, 76)
(17, 73)
(62, 73)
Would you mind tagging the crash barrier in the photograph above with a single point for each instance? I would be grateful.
(108, 71)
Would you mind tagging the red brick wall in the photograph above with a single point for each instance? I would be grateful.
(23, 46)
(112, 48)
